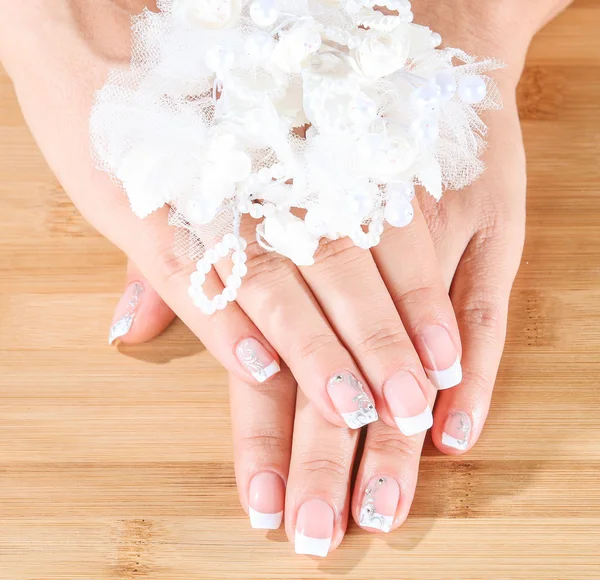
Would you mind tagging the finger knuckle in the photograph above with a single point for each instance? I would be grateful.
(343, 252)
(332, 468)
(419, 295)
(314, 344)
(382, 336)
(172, 268)
(393, 445)
(483, 311)
(266, 270)
(270, 441)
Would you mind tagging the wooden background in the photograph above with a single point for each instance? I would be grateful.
(117, 465)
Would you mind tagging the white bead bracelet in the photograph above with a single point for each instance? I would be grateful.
(229, 243)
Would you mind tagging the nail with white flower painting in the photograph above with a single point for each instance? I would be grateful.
(457, 430)
(349, 397)
(256, 359)
(126, 311)
(380, 504)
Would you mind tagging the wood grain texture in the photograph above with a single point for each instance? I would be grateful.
(118, 464)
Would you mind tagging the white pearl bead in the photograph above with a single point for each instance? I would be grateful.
(219, 302)
(230, 241)
(436, 39)
(425, 129)
(222, 249)
(200, 210)
(259, 46)
(205, 305)
(240, 270)
(211, 256)
(264, 175)
(197, 279)
(230, 294)
(203, 266)
(239, 258)
(403, 190)
(472, 89)
(399, 213)
(264, 12)
(269, 209)
(243, 206)
(243, 244)
(193, 292)
(426, 99)
(233, 281)
(446, 84)
(373, 239)
(256, 211)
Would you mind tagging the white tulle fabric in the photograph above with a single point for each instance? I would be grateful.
(317, 118)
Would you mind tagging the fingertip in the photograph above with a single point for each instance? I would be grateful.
(453, 432)
(141, 314)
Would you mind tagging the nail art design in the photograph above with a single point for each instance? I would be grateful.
(314, 528)
(260, 521)
(369, 514)
(346, 391)
(123, 325)
(446, 379)
(457, 430)
(257, 359)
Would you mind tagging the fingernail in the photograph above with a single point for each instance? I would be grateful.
(349, 398)
(125, 312)
(257, 359)
(439, 357)
(266, 497)
(407, 404)
(457, 430)
(380, 504)
(314, 528)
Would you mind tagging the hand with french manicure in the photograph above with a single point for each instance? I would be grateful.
(365, 335)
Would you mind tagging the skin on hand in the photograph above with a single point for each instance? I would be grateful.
(380, 353)
(478, 237)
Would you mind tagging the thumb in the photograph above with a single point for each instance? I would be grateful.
(141, 313)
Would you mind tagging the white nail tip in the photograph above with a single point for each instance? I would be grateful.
(378, 522)
(311, 546)
(447, 378)
(266, 373)
(260, 521)
(358, 419)
(410, 426)
(449, 441)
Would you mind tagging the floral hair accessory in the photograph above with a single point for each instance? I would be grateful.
(315, 117)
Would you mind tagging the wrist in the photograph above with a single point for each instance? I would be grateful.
(497, 29)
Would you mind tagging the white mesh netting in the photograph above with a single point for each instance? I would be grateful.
(262, 107)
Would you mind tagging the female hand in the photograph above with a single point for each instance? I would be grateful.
(356, 314)
(478, 236)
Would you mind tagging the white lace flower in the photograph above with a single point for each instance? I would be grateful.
(289, 236)
(273, 108)
(381, 54)
(210, 14)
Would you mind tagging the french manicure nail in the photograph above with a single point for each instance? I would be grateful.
(256, 359)
(439, 356)
(380, 504)
(266, 498)
(125, 312)
(457, 430)
(407, 404)
(314, 528)
(349, 398)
